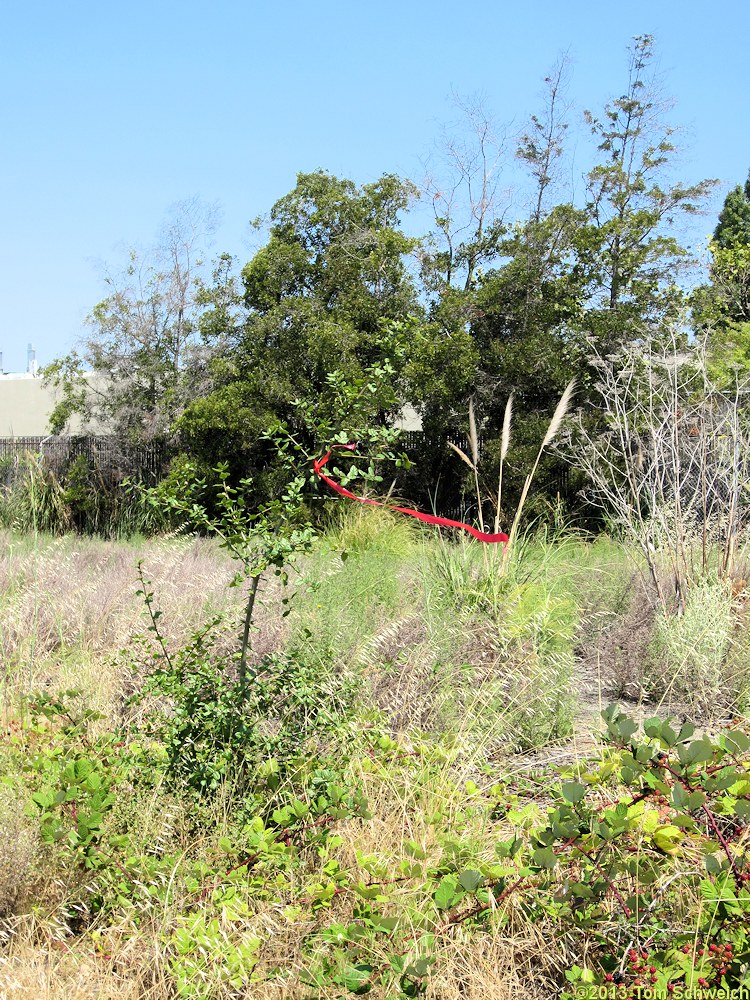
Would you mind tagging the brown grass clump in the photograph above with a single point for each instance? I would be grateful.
(619, 648)
(82, 970)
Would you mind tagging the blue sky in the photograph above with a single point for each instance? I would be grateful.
(112, 112)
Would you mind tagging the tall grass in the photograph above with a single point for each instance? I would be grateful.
(440, 635)
(689, 654)
(379, 617)
(36, 498)
(552, 431)
(452, 665)
(529, 616)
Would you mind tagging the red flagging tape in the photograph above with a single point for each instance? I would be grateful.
(445, 522)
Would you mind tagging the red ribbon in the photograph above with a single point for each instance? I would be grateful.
(444, 522)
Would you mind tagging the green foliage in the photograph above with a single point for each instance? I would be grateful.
(216, 726)
(688, 653)
(625, 251)
(733, 227)
(73, 776)
(525, 702)
(358, 529)
(320, 297)
(729, 353)
(80, 497)
(208, 953)
(684, 808)
(33, 499)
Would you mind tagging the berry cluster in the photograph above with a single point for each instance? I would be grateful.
(643, 973)
(719, 955)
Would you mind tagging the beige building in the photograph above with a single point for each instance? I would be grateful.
(25, 407)
(26, 404)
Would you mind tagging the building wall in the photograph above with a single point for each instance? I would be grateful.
(26, 404)
(25, 407)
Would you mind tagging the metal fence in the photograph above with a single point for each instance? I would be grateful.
(436, 480)
(106, 452)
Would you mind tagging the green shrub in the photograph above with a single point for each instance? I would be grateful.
(212, 723)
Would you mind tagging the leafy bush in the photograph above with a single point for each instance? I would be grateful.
(212, 722)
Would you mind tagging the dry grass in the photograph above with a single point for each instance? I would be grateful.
(497, 966)
(509, 958)
(70, 604)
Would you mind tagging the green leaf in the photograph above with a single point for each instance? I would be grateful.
(697, 752)
(470, 880)
(445, 895)
(667, 838)
(415, 850)
(44, 798)
(736, 741)
(544, 857)
(713, 864)
(574, 792)
(356, 978)
(419, 968)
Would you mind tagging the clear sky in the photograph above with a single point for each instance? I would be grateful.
(111, 112)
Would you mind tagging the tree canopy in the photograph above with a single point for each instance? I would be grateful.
(504, 294)
(321, 296)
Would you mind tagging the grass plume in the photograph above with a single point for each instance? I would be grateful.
(554, 426)
(504, 446)
(472, 462)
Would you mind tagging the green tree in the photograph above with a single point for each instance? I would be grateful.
(721, 309)
(730, 253)
(322, 295)
(525, 323)
(733, 227)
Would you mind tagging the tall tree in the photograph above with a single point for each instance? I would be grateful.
(730, 252)
(733, 227)
(133, 372)
(626, 249)
(525, 324)
(721, 309)
(313, 300)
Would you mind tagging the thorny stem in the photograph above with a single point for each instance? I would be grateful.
(723, 841)
(148, 599)
(615, 891)
(712, 822)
